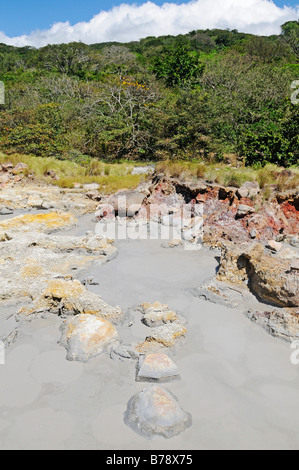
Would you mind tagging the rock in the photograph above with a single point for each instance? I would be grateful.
(269, 277)
(70, 297)
(4, 237)
(166, 336)
(127, 203)
(172, 243)
(243, 211)
(156, 368)
(46, 205)
(18, 178)
(157, 315)
(143, 170)
(91, 187)
(6, 211)
(155, 412)
(282, 324)
(227, 193)
(253, 233)
(94, 195)
(274, 246)
(40, 222)
(243, 192)
(51, 174)
(249, 189)
(86, 337)
(20, 168)
(7, 166)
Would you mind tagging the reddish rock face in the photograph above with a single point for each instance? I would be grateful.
(223, 216)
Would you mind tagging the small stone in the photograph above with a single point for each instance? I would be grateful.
(253, 233)
(46, 205)
(155, 412)
(156, 368)
(20, 168)
(242, 192)
(91, 187)
(274, 246)
(7, 166)
(243, 211)
(6, 211)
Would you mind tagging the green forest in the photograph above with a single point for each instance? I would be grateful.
(207, 95)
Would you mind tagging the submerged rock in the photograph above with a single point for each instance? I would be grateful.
(155, 412)
(156, 368)
(87, 336)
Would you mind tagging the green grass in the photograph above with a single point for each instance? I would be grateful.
(115, 176)
(111, 177)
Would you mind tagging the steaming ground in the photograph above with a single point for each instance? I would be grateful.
(236, 380)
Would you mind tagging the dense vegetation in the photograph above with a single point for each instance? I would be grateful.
(214, 95)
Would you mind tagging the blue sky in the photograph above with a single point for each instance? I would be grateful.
(21, 17)
(37, 23)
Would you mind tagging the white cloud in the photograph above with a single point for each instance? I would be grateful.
(132, 22)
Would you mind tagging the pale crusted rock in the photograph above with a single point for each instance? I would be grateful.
(274, 246)
(283, 324)
(166, 335)
(86, 337)
(155, 412)
(157, 314)
(156, 368)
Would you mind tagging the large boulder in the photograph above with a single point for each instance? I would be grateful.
(269, 277)
(155, 412)
(87, 336)
(127, 203)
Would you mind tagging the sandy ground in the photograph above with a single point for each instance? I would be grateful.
(236, 381)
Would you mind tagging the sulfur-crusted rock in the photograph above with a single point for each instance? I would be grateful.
(155, 412)
(87, 336)
(45, 223)
(156, 368)
(70, 297)
(157, 314)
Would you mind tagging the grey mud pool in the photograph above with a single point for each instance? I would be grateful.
(237, 382)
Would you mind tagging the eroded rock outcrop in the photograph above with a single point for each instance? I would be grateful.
(269, 277)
